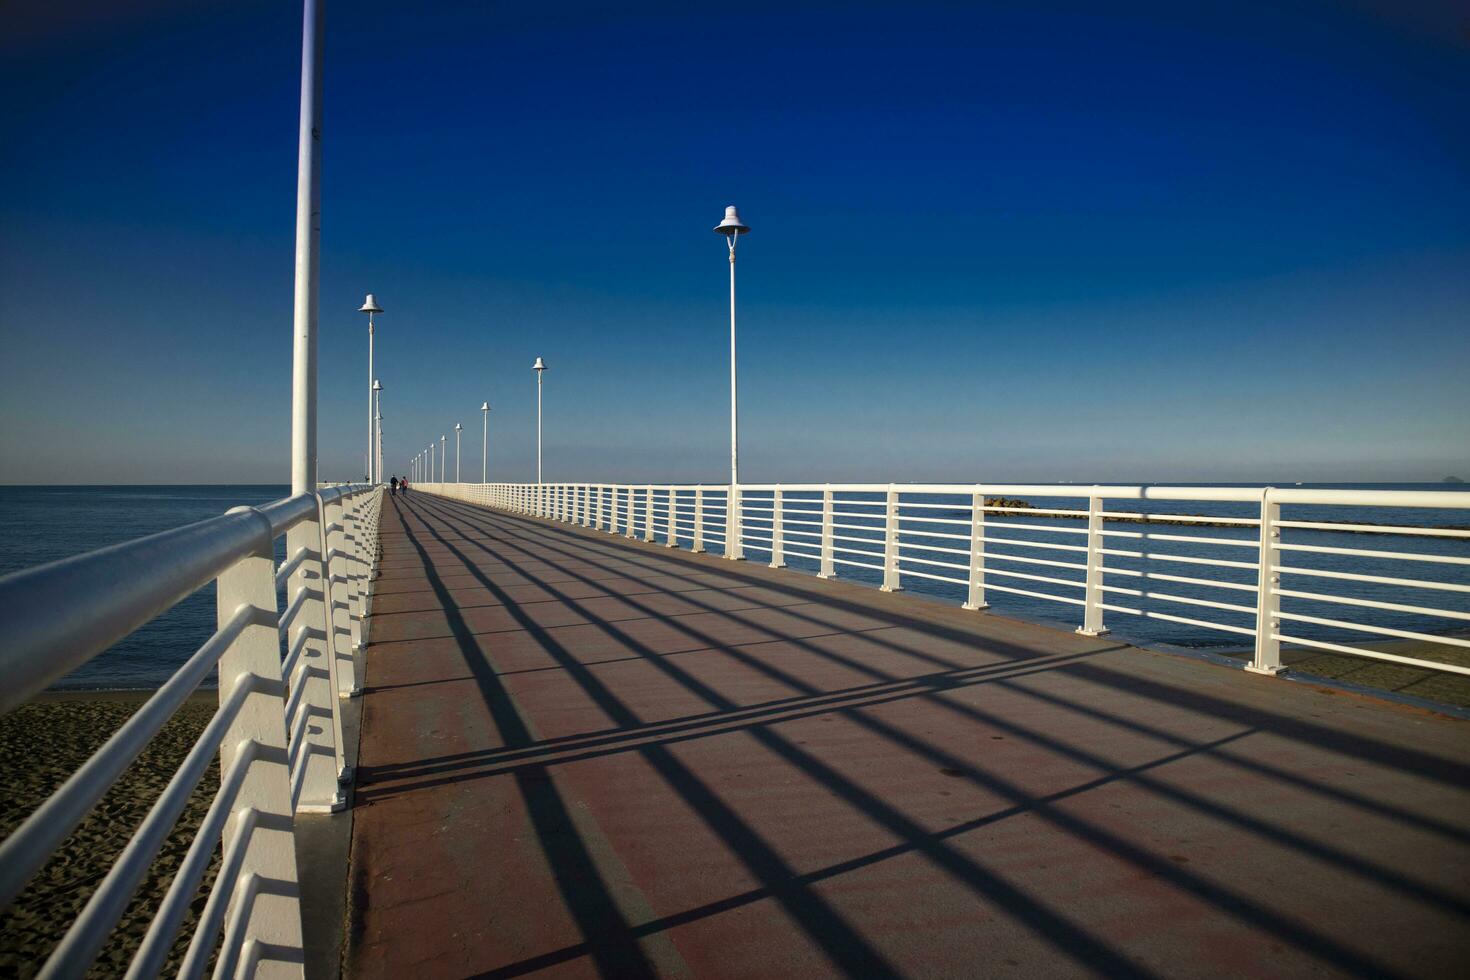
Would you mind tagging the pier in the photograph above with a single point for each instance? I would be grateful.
(588, 756)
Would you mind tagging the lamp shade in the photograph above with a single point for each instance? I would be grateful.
(370, 305)
(732, 225)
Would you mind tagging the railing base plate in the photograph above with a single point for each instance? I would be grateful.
(1268, 671)
(1086, 632)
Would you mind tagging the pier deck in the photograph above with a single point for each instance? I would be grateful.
(583, 755)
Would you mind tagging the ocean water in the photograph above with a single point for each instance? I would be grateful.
(42, 524)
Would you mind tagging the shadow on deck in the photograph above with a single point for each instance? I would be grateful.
(589, 756)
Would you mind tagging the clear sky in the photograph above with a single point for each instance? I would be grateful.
(1017, 241)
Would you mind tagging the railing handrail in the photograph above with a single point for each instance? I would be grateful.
(272, 765)
(110, 592)
(907, 539)
(1435, 499)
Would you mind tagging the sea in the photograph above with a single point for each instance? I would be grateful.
(39, 524)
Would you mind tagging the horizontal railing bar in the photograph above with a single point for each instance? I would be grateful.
(1150, 614)
(1374, 604)
(1372, 654)
(1318, 549)
(1189, 539)
(1437, 532)
(1186, 600)
(1378, 630)
(1375, 579)
(1181, 559)
(857, 564)
(79, 947)
(1185, 579)
(937, 578)
(1035, 595)
(30, 846)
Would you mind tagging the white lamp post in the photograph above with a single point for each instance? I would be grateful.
(431, 462)
(377, 431)
(732, 228)
(485, 443)
(370, 306)
(539, 367)
(443, 458)
(457, 428)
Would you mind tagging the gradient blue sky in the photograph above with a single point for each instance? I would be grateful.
(1003, 242)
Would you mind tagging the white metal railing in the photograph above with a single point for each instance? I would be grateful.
(282, 668)
(1124, 550)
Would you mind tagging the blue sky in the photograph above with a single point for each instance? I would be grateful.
(1000, 242)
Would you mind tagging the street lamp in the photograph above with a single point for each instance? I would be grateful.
(431, 462)
(443, 458)
(457, 428)
(539, 367)
(378, 430)
(485, 443)
(732, 228)
(370, 306)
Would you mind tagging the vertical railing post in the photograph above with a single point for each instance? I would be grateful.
(976, 597)
(261, 821)
(1267, 658)
(734, 546)
(828, 567)
(632, 511)
(648, 514)
(778, 539)
(672, 540)
(1092, 613)
(890, 542)
(597, 509)
(338, 570)
(357, 535)
(309, 726)
(698, 520)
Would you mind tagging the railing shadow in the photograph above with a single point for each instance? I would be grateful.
(526, 546)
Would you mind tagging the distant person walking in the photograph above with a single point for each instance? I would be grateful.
(393, 487)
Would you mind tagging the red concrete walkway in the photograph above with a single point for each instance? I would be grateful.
(583, 756)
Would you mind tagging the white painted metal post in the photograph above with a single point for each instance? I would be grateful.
(339, 576)
(648, 514)
(828, 567)
(778, 538)
(672, 539)
(308, 247)
(597, 510)
(457, 455)
(371, 474)
(310, 723)
(261, 823)
(1092, 614)
(1267, 659)
(443, 459)
(485, 443)
(890, 542)
(976, 597)
(734, 546)
(698, 520)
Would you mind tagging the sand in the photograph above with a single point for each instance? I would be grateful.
(43, 743)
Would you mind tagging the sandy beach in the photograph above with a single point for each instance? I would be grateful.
(43, 743)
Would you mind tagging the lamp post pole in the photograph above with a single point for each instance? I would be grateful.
(540, 368)
(370, 306)
(443, 458)
(431, 462)
(457, 428)
(485, 443)
(732, 228)
(377, 432)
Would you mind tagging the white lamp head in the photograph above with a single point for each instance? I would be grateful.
(540, 365)
(457, 427)
(732, 225)
(370, 305)
(377, 385)
(485, 407)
